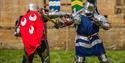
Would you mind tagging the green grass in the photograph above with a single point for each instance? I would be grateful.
(15, 56)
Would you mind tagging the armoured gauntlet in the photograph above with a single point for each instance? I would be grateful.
(102, 22)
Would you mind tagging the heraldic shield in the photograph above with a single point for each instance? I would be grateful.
(31, 28)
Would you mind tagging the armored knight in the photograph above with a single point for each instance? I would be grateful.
(88, 42)
(33, 36)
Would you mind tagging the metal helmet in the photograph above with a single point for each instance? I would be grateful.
(89, 8)
(33, 6)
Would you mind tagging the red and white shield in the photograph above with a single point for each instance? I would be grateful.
(31, 29)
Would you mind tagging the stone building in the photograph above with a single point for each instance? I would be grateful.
(114, 10)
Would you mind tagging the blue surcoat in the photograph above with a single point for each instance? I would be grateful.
(87, 46)
(86, 26)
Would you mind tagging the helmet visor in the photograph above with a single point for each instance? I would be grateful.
(90, 8)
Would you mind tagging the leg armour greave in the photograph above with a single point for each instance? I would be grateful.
(103, 58)
(80, 59)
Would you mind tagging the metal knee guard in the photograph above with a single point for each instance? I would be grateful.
(80, 59)
(103, 58)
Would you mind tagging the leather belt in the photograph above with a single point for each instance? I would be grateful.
(89, 36)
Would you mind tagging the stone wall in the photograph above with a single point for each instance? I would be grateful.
(106, 7)
(59, 38)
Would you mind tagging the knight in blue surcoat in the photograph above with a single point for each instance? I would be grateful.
(87, 41)
(88, 22)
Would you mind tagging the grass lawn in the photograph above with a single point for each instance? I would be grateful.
(15, 56)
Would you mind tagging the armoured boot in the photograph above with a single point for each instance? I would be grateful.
(103, 58)
(80, 59)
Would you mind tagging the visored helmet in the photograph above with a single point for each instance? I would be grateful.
(89, 8)
(33, 6)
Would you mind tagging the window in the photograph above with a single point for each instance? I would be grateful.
(118, 11)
